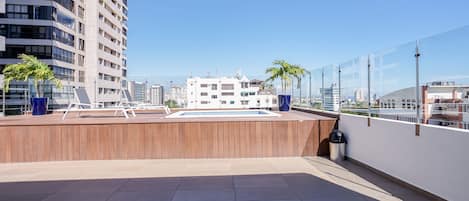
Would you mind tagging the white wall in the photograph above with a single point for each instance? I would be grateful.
(436, 161)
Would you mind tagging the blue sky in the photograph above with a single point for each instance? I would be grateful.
(171, 39)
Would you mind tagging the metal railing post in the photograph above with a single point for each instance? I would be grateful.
(300, 88)
(310, 99)
(340, 89)
(322, 91)
(369, 91)
(417, 88)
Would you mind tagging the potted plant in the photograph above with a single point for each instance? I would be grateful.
(285, 72)
(32, 69)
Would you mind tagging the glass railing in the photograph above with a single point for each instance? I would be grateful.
(425, 81)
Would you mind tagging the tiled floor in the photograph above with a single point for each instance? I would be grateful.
(266, 179)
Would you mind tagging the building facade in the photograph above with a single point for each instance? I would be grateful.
(157, 95)
(227, 93)
(331, 98)
(83, 42)
(443, 103)
(138, 91)
(177, 94)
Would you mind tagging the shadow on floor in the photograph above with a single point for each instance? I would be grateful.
(374, 181)
(273, 187)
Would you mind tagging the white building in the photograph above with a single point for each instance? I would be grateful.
(227, 92)
(138, 91)
(359, 95)
(443, 103)
(84, 42)
(157, 95)
(178, 94)
(331, 98)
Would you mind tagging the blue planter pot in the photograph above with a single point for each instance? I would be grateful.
(284, 103)
(39, 106)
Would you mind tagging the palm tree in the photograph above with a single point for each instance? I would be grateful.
(30, 68)
(286, 72)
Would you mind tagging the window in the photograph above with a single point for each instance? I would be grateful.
(204, 102)
(244, 85)
(81, 44)
(36, 32)
(81, 60)
(214, 86)
(64, 73)
(81, 12)
(204, 94)
(214, 96)
(244, 94)
(41, 52)
(30, 12)
(19, 11)
(68, 4)
(227, 86)
(223, 102)
(65, 20)
(81, 28)
(81, 76)
(45, 13)
(244, 102)
(63, 37)
(232, 102)
(203, 85)
(63, 55)
(227, 94)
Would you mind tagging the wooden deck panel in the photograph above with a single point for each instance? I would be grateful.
(228, 138)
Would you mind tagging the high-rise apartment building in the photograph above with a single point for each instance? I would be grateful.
(331, 98)
(177, 94)
(84, 43)
(138, 91)
(157, 95)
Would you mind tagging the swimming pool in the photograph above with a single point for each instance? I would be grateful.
(223, 113)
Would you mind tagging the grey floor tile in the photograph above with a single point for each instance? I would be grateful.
(78, 196)
(260, 181)
(150, 185)
(94, 186)
(204, 195)
(142, 196)
(255, 194)
(206, 183)
(124, 196)
(23, 197)
(31, 187)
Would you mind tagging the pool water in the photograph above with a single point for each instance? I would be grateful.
(223, 113)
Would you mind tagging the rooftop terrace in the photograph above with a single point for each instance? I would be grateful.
(99, 156)
(292, 178)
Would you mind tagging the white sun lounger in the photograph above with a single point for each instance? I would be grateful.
(84, 104)
(138, 105)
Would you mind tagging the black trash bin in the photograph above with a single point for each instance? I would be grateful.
(337, 143)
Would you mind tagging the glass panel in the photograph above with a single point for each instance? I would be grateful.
(330, 90)
(354, 86)
(316, 85)
(445, 79)
(393, 93)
